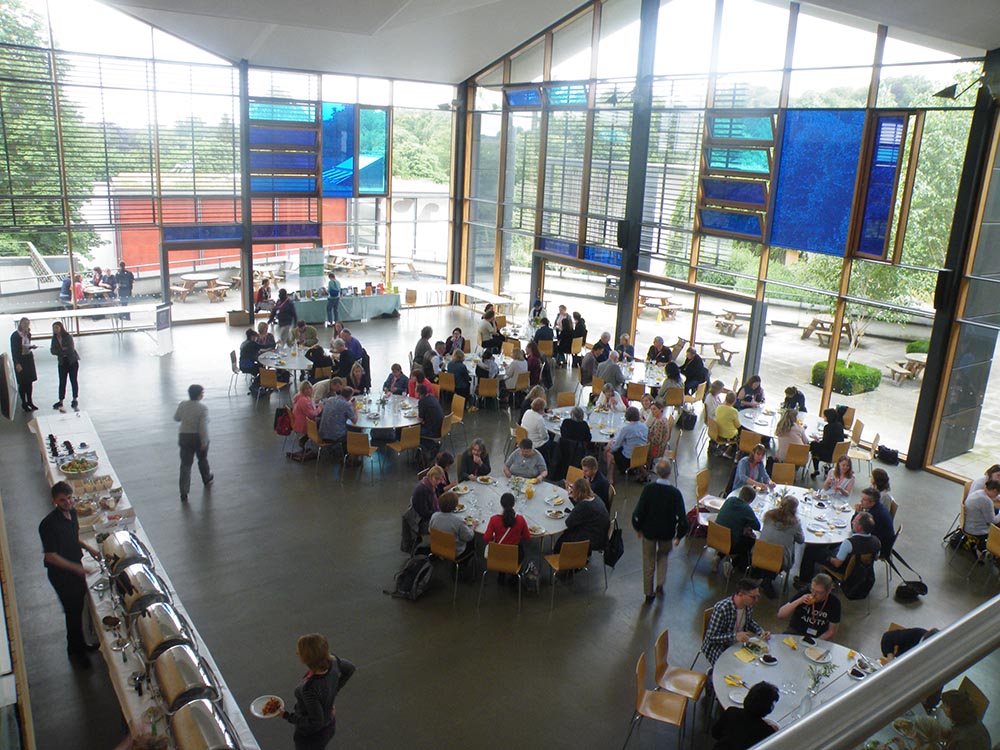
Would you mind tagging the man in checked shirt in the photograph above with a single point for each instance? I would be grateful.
(732, 620)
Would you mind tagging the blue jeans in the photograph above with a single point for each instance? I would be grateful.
(332, 306)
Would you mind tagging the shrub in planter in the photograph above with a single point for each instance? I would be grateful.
(920, 345)
(848, 379)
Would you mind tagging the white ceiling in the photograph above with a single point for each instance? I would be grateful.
(447, 41)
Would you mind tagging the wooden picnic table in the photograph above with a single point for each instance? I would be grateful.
(822, 325)
(666, 309)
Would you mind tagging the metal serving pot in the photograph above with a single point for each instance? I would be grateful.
(183, 677)
(136, 587)
(200, 725)
(158, 627)
(122, 549)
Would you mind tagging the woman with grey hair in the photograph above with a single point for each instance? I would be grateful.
(343, 360)
(575, 427)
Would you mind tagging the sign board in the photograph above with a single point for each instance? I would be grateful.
(164, 336)
(311, 268)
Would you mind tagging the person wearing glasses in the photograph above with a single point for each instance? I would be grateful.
(732, 621)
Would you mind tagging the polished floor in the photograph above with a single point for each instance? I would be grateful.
(272, 552)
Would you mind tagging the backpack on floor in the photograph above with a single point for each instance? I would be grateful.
(413, 578)
(282, 421)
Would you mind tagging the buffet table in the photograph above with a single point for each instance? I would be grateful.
(351, 308)
(141, 712)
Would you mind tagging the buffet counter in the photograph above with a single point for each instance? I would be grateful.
(352, 308)
(105, 511)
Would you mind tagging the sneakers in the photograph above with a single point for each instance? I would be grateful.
(211, 478)
(57, 405)
(74, 403)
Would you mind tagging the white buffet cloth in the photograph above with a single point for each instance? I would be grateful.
(77, 427)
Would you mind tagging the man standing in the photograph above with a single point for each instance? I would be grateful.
(732, 621)
(658, 518)
(63, 548)
(332, 300)
(286, 317)
(192, 437)
(125, 280)
(815, 612)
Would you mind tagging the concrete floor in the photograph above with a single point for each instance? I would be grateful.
(272, 552)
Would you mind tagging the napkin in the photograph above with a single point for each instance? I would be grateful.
(745, 655)
(790, 642)
(734, 680)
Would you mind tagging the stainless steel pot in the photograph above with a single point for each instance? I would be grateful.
(122, 549)
(200, 725)
(158, 627)
(183, 677)
(136, 587)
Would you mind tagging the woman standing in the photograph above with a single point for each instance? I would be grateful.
(68, 361)
(660, 429)
(24, 363)
(315, 716)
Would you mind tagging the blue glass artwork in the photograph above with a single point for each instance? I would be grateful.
(283, 185)
(173, 234)
(338, 150)
(750, 128)
(814, 188)
(559, 247)
(569, 95)
(734, 191)
(747, 160)
(286, 230)
(373, 139)
(278, 160)
(523, 98)
(260, 136)
(282, 112)
(731, 222)
(887, 152)
(602, 255)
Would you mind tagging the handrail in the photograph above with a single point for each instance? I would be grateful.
(891, 691)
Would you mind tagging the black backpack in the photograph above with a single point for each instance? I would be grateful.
(413, 578)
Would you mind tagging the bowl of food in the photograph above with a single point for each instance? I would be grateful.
(769, 660)
(79, 465)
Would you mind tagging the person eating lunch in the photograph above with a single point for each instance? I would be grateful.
(732, 621)
(814, 612)
(525, 462)
(475, 461)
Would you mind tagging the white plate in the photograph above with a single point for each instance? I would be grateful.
(762, 421)
(768, 663)
(536, 530)
(460, 490)
(608, 432)
(814, 527)
(840, 524)
(816, 650)
(555, 513)
(738, 695)
(256, 708)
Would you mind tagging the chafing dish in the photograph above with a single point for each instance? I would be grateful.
(200, 725)
(158, 627)
(183, 677)
(123, 548)
(136, 587)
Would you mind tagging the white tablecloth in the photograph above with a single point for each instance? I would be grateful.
(482, 502)
(600, 422)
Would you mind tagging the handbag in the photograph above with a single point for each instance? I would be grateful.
(615, 547)
(889, 456)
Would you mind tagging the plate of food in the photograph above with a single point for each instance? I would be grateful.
(840, 524)
(535, 529)
(761, 421)
(267, 707)
(460, 507)
(815, 528)
(738, 695)
(555, 513)
(486, 480)
(818, 655)
(558, 501)
(554, 418)
(461, 489)
(471, 521)
(903, 726)
(86, 508)
(609, 432)
(533, 480)
(769, 660)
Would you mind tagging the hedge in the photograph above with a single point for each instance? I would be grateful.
(920, 345)
(848, 379)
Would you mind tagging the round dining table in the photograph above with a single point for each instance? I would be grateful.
(647, 374)
(790, 674)
(603, 424)
(763, 420)
(286, 360)
(397, 412)
(545, 512)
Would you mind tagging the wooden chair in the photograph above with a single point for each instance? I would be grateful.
(312, 432)
(466, 346)
(445, 431)
(410, 297)
(458, 414)
(269, 379)
(749, 440)
(575, 347)
(322, 373)
(670, 454)
(961, 509)
(992, 551)
(358, 446)
(976, 696)
(672, 396)
(502, 558)
(572, 557)
(443, 546)
(720, 538)
(409, 439)
(508, 347)
(849, 417)
(713, 435)
(523, 383)
(639, 459)
(706, 616)
(596, 386)
(668, 708)
(859, 427)
(572, 474)
(235, 367)
(634, 391)
(770, 557)
(489, 388)
(500, 320)
(676, 680)
(546, 347)
(797, 456)
(698, 396)
(783, 474)
(565, 398)
(859, 454)
(839, 451)
(445, 384)
(701, 480)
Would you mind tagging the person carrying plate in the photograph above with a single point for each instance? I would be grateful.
(815, 611)
(314, 715)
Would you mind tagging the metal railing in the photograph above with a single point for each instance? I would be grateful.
(855, 715)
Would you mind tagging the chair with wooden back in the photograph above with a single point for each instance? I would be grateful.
(443, 546)
(359, 447)
(322, 373)
(508, 347)
(269, 379)
(770, 557)
(638, 460)
(572, 474)
(699, 395)
(670, 454)
(701, 481)
(489, 388)
(312, 432)
(672, 396)
(500, 320)
(749, 440)
(565, 398)
(706, 617)
(798, 456)
(859, 454)
(783, 474)
(841, 574)
(445, 384)
(676, 680)
(635, 391)
(235, 367)
(523, 383)
(575, 347)
(466, 346)
(410, 297)
(976, 696)
(572, 557)
(667, 708)
(502, 558)
(848, 417)
(458, 413)
(859, 427)
(720, 539)
(409, 439)
(596, 386)
(546, 347)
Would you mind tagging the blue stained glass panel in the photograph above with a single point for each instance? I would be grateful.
(282, 185)
(287, 230)
(524, 98)
(734, 191)
(731, 222)
(202, 233)
(755, 128)
(559, 247)
(568, 95)
(881, 194)
(373, 178)
(278, 160)
(281, 137)
(814, 189)
(338, 150)
(748, 160)
(283, 112)
(602, 255)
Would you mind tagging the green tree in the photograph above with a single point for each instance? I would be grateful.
(421, 143)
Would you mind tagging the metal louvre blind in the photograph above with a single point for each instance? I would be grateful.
(672, 169)
(671, 244)
(103, 72)
(608, 176)
(195, 78)
(521, 186)
(284, 84)
(24, 64)
(565, 144)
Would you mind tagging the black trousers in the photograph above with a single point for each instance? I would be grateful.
(70, 370)
(25, 386)
(190, 444)
(316, 741)
(72, 592)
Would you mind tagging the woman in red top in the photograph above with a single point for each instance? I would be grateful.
(507, 527)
